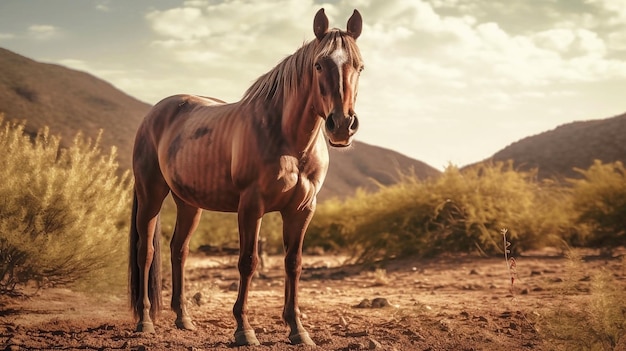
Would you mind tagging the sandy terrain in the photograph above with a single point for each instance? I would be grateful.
(455, 303)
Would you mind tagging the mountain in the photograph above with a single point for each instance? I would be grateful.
(557, 152)
(366, 166)
(69, 101)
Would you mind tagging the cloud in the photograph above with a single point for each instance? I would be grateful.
(615, 9)
(42, 31)
(6, 36)
(433, 64)
(103, 6)
(414, 38)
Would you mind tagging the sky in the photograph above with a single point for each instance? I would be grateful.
(446, 81)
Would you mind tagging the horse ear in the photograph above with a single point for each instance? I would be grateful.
(320, 24)
(355, 24)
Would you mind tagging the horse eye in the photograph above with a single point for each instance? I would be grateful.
(318, 67)
(361, 69)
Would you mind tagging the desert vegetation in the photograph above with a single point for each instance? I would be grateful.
(64, 216)
(62, 212)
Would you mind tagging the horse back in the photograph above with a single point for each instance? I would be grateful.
(185, 139)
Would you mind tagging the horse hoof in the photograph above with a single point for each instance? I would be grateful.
(246, 338)
(145, 327)
(185, 324)
(301, 338)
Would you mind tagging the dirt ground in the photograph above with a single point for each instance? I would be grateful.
(451, 303)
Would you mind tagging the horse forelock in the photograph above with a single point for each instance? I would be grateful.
(294, 73)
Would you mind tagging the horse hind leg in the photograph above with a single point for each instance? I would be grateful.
(145, 272)
(187, 218)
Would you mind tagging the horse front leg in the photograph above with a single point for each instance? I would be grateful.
(187, 218)
(295, 223)
(250, 213)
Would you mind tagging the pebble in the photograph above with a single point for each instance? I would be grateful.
(374, 345)
(197, 298)
(343, 321)
(378, 302)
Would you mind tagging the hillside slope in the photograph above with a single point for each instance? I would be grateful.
(365, 166)
(574, 145)
(69, 101)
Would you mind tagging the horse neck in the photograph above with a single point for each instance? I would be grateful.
(284, 93)
(300, 123)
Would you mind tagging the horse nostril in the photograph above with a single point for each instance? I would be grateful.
(354, 125)
(330, 123)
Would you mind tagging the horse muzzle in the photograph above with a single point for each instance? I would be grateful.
(341, 129)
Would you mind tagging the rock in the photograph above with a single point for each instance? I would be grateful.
(365, 303)
(342, 321)
(197, 298)
(233, 287)
(374, 345)
(444, 325)
(380, 302)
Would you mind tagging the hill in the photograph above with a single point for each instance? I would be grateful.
(574, 145)
(366, 166)
(69, 101)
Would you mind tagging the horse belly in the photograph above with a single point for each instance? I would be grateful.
(199, 173)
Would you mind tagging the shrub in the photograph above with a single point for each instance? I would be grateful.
(460, 211)
(599, 200)
(63, 211)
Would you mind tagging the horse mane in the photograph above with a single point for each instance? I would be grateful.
(295, 70)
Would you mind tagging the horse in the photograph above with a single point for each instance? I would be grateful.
(263, 154)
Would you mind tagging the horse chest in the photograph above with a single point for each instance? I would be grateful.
(288, 173)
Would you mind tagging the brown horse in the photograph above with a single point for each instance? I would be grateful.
(264, 153)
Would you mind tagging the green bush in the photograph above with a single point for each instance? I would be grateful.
(63, 211)
(599, 200)
(460, 211)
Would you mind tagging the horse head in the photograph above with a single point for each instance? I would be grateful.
(336, 70)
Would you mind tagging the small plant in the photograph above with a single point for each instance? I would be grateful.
(596, 321)
(511, 264)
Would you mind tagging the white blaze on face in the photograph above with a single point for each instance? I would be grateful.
(339, 56)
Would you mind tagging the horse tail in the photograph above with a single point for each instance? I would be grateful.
(154, 279)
